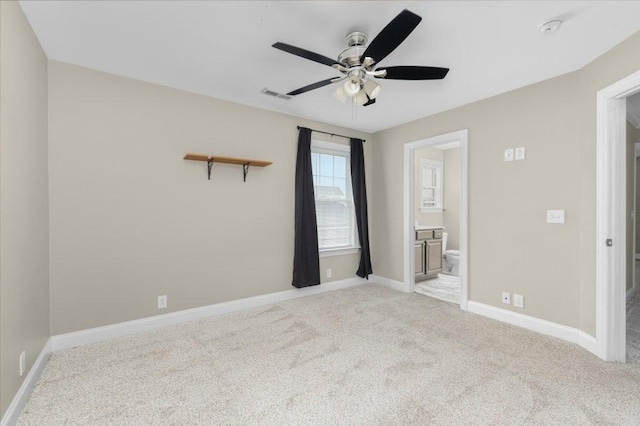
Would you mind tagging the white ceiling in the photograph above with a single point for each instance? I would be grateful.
(223, 49)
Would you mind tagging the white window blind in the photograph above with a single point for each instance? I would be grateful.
(334, 197)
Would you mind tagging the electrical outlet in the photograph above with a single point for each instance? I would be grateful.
(520, 153)
(518, 301)
(508, 154)
(506, 297)
(329, 273)
(23, 362)
(162, 302)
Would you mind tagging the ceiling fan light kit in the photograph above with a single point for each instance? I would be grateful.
(357, 62)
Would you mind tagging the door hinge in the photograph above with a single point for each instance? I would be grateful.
(609, 242)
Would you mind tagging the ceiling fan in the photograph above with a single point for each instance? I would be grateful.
(357, 62)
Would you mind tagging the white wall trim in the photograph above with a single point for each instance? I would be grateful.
(99, 334)
(587, 341)
(611, 217)
(387, 282)
(461, 137)
(633, 114)
(22, 396)
(538, 325)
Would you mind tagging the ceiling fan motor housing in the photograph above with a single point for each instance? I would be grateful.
(350, 56)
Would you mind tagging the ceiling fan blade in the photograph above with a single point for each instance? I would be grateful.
(409, 72)
(310, 87)
(391, 36)
(307, 54)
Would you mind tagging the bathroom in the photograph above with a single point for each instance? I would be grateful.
(437, 195)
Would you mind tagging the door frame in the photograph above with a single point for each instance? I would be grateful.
(611, 218)
(462, 137)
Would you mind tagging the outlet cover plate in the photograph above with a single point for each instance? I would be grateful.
(162, 302)
(23, 363)
(506, 298)
(520, 153)
(518, 301)
(508, 154)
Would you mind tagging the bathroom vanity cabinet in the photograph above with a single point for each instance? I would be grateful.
(428, 252)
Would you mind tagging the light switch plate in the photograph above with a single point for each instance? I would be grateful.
(520, 153)
(508, 154)
(555, 216)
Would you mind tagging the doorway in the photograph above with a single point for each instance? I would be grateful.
(459, 138)
(633, 252)
(612, 218)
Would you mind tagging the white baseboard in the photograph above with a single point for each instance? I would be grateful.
(538, 325)
(587, 341)
(387, 282)
(22, 396)
(99, 334)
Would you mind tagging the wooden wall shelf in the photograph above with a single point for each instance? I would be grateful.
(244, 162)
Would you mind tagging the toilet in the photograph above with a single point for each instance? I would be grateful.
(451, 258)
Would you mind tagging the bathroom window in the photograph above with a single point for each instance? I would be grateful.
(431, 189)
(335, 212)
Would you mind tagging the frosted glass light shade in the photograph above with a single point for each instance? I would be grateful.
(340, 94)
(372, 88)
(361, 98)
(352, 86)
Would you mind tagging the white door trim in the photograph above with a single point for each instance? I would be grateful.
(611, 218)
(461, 136)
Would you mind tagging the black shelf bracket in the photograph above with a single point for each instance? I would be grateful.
(245, 171)
(209, 165)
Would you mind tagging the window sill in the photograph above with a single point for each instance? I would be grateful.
(339, 252)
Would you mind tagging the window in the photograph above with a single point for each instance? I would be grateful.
(431, 188)
(334, 198)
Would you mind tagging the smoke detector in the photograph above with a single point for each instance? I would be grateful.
(551, 26)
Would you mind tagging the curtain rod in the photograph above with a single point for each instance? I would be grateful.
(332, 134)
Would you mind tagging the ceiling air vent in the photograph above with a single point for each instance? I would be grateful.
(276, 94)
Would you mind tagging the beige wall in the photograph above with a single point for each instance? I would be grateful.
(631, 159)
(433, 219)
(131, 220)
(512, 248)
(452, 193)
(24, 233)
(613, 66)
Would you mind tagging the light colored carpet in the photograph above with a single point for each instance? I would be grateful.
(366, 355)
(443, 287)
(633, 334)
(633, 322)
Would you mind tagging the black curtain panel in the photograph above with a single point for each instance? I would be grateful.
(360, 203)
(306, 258)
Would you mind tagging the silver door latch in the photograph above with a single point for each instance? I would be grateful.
(609, 242)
